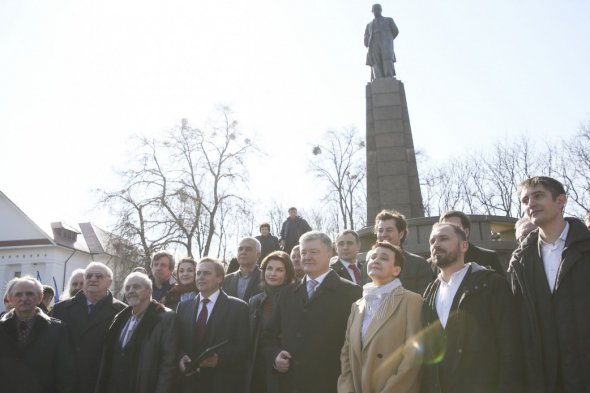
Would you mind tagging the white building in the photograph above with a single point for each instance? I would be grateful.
(25, 249)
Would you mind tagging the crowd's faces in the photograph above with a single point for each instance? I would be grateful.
(381, 267)
(207, 279)
(347, 247)
(275, 273)
(137, 292)
(186, 273)
(540, 206)
(264, 231)
(247, 253)
(292, 214)
(297, 265)
(446, 247)
(456, 221)
(161, 269)
(587, 221)
(7, 305)
(24, 298)
(387, 231)
(96, 281)
(315, 257)
(76, 284)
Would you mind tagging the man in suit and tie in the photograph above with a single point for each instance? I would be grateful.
(346, 265)
(245, 282)
(391, 226)
(88, 316)
(305, 333)
(210, 319)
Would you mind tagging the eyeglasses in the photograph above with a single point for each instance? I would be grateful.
(99, 276)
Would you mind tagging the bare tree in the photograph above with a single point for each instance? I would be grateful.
(575, 170)
(339, 161)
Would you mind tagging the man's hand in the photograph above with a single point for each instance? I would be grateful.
(184, 363)
(282, 361)
(210, 361)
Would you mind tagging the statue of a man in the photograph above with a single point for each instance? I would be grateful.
(379, 36)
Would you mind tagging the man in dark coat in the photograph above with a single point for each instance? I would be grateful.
(483, 256)
(305, 333)
(345, 264)
(391, 226)
(35, 352)
(292, 229)
(88, 316)
(471, 341)
(550, 276)
(245, 282)
(141, 346)
(208, 320)
(268, 242)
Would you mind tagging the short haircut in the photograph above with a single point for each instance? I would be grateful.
(48, 291)
(348, 232)
(219, 269)
(465, 222)
(186, 260)
(400, 221)
(264, 225)
(142, 277)
(400, 259)
(456, 228)
(254, 240)
(555, 188)
(17, 280)
(316, 235)
(101, 265)
(285, 259)
(292, 209)
(161, 254)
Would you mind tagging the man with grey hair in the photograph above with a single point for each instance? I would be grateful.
(88, 315)
(141, 345)
(245, 282)
(35, 352)
(162, 279)
(306, 331)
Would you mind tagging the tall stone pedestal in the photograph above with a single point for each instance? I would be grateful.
(392, 173)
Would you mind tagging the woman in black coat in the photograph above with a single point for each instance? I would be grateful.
(185, 288)
(277, 272)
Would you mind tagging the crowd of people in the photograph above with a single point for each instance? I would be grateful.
(294, 317)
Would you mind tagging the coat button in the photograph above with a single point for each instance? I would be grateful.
(379, 355)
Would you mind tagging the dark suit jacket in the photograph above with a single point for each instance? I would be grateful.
(230, 284)
(312, 331)
(44, 365)
(416, 273)
(345, 273)
(228, 320)
(87, 333)
(484, 257)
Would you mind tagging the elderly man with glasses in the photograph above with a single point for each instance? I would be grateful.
(88, 316)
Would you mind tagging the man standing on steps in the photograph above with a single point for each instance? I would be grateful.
(245, 282)
(292, 229)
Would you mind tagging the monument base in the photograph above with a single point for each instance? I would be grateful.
(392, 173)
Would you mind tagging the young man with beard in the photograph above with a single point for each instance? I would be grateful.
(550, 275)
(471, 343)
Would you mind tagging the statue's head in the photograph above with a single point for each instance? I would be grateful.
(376, 9)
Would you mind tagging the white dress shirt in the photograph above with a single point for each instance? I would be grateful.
(210, 305)
(346, 264)
(551, 255)
(446, 293)
(318, 279)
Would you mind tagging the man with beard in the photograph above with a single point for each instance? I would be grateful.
(141, 346)
(88, 315)
(471, 343)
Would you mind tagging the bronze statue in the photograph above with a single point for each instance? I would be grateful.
(379, 36)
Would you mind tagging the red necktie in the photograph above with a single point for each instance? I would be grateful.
(357, 273)
(202, 320)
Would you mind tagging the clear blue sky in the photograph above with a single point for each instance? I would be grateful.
(77, 78)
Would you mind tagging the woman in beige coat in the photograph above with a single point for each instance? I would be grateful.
(381, 353)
